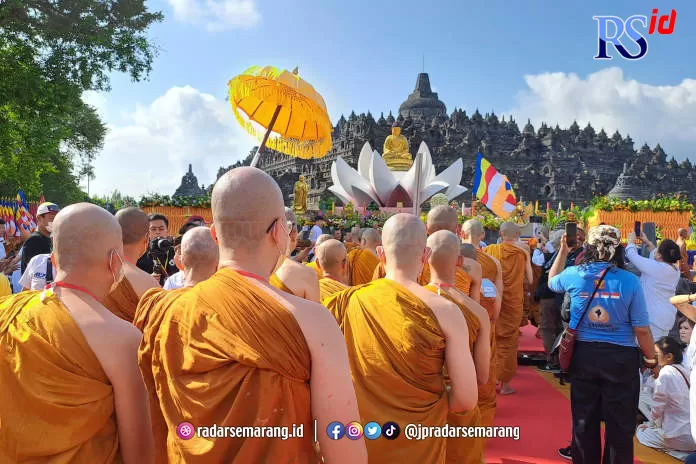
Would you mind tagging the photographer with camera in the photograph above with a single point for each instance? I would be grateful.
(158, 260)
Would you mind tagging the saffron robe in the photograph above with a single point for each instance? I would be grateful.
(57, 403)
(226, 353)
(507, 328)
(314, 266)
(122, 300)
(328, 287)
(464, 450)
(277, 283)
(462, 281)
(396, 350)
(423, 278)
(361, 265)
(487, 394)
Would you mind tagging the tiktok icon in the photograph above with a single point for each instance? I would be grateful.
(390, 430)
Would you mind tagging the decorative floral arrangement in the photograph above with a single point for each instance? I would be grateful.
(662, 203)
(182, 202)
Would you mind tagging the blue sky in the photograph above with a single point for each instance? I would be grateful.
(365, 55)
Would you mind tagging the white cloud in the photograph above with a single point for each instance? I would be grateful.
(97, 100)
(152, 151)
(650, 114)
(217, 15)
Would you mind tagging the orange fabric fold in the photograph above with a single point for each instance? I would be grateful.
(122, 300)
(396, 350)
(487, 392)
(507, 327)
(58, 404)
(328, 287)
(314, 266)
(226, 353)
(423, 278)
(277, 283)
(362, 264)
(462, 281)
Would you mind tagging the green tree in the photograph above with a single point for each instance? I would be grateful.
(50, 52)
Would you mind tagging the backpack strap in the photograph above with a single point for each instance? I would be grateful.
(683, 376)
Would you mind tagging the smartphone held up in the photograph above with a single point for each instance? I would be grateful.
(571, 232)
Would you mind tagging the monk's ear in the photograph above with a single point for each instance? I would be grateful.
(381, 255)
(213, 232)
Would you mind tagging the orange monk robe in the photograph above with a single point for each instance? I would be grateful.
(423, 278)
(57, 403)
(350, 246)
(487, 394)
(464, 450)
(228, 354)
(396, 350)
(328, 287)
(507, 328)
(148, 319)
(314, 266)
(534, 312)
(277, 283)
(462, 281)
(362, 264)
(122, 300)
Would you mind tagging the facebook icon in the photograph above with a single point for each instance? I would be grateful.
(335, 430)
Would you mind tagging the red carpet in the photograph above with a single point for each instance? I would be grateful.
(528, 342)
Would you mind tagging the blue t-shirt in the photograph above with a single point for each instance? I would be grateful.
(618, 305)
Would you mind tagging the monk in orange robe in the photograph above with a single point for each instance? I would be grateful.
(292, 277)
(71, 389)
(123, 297)
(491, 298)
(517, 267)
(445, 260)
(333, 262)
(235, 351)
(363, 261)
(400, 338)
(350, 241)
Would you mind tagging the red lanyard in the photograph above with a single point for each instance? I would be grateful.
(77, 288)
(249, 274)
(444, 285)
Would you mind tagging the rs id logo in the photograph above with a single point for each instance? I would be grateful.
(619, 33)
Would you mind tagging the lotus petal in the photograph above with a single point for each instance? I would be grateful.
(341, 194)
(365, 161)
(382, 179)
(454, 192)
(428, 166)
(432, 189)
(451, 176)
(356, 187)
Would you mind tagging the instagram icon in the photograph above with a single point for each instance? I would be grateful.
(354, 430)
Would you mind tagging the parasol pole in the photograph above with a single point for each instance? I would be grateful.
(416, 196)
(255, 161)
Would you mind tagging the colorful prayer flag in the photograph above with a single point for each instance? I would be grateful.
(493, 189)
(23, 217)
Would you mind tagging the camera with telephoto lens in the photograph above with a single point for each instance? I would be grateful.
(159, 250)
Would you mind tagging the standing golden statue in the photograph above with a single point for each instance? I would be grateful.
(299, 204)
(395, 152)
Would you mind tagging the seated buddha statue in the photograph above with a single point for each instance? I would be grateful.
(395, 153)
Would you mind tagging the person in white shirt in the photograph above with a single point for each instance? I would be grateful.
(686, 335)
(38, 273)
(669, 428)
(659, 277)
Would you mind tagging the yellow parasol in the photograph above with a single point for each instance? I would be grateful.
(268, 99)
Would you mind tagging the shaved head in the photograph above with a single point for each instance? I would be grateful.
(322, 238)
(403, 239)
(445, 250)
(84, 235)
(468, 250)
(472, 229)
(134, 224)
(683, 233)
(371, 238)
(356, 233)
(331, 255)
(291, 218)
(199, 250)
(442, 218)
(245, 203)
(510, 231)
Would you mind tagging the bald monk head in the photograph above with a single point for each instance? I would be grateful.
(323, 238)
(444, 254)
(199, 255)
(291, 221)
(510, 232)
(135, 226)
(333, 261)
(253, 235)
(403, 247)
(370, 240)
(683, 233)
(88, 247)
(442, 218)
(472, 233)
(356, 232)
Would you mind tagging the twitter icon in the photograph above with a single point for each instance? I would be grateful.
(372, 430)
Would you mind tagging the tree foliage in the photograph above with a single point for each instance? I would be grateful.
(51, 51)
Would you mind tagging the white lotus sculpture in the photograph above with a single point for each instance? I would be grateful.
(374, 181)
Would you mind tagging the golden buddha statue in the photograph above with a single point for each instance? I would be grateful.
(395, 152)
(299, 204)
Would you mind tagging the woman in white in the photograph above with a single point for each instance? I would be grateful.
(658, 278)
(669, 429)
(686, 332)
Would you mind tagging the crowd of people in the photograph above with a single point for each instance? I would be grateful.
(116, 332)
